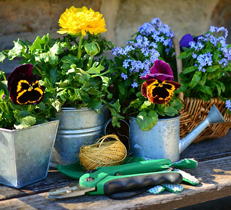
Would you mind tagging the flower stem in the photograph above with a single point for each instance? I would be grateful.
(80, 46)
(30, 108)
(89, 63)
(39, 71)
(4, 77)
(7, 108)
(8, 111)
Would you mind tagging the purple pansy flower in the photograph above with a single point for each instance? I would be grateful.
(160, 70)
(159, 92)
(186, 39)
(23, 86)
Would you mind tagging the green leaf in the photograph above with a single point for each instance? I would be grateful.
(222, 86)
(47, 83)
(160, 48)
(218, 89)
(160, 110)
(67, 61)
(53, 74)
(95, 69)
(212, 68)
(41, 119)
(63, 95)
(105, 81)
(2, 57)
(177, 104)
(57, 105)
(135, 104)
(36, 45)
(77, 94)
(189, 69)
(1, 93)
(186, 48)
(147, 121)
(56, 49)
(24, 113)
(18, 50)
(82, 76)
(145, 105)
(115, 112)
(184, 86)
(170, 111)
(215, 55)
(184, 55)
(26, 122)
(196, 78)
(3, 86)
(203, 80)
(122, 89)
(95, 104)
(41, 106)
(47, 57)
(205, 89)
(115, 105)
(204, 96)
(93, 91)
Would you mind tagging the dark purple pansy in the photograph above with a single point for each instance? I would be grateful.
(184, 42)
(23, 86)
(159, 92)
(160, 70)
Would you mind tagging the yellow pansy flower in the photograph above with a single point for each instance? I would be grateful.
(77, 21)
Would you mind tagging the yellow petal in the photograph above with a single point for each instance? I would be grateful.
(81, 20)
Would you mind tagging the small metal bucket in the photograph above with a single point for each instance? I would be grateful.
(25, 154)
(77, 127)
(162, 141)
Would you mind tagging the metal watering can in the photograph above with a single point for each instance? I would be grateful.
(163, 140)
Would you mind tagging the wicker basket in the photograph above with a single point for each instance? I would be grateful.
(195, 110)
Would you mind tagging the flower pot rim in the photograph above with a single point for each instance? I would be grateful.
(69, 109)
(66, 109)
(33, 126)
(161, 119)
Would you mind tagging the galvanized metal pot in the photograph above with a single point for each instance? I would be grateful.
(162, 141)
(25, 154)
(77, 127)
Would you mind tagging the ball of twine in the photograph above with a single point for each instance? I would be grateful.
(104, 152)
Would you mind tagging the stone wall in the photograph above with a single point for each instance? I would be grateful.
(25, 19)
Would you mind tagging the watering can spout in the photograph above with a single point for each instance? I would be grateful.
(214, 116)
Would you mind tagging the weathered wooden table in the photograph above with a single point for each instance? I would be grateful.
(214, 173)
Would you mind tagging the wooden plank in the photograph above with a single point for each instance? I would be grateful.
(208, 149)
(215, 177)
(54, 180)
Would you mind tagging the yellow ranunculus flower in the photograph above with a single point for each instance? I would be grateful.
(77, 21)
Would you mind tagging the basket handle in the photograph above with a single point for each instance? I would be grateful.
(178, 64)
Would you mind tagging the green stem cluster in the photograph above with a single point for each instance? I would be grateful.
(7, 108)
(80, 46)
